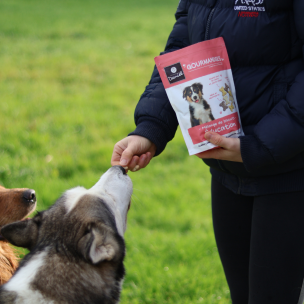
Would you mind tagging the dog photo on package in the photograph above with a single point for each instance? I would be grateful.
(199, 84)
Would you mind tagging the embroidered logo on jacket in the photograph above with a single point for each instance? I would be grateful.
(249, 5)
(248, 14)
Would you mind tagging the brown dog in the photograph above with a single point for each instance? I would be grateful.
(15, 205)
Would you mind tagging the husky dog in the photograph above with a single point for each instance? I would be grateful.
(76, 246)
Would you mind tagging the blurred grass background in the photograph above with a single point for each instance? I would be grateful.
(71, 73)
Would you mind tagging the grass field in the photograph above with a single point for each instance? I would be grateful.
(71, 74)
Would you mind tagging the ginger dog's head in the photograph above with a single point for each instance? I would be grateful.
(16, 204)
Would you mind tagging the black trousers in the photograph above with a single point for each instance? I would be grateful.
(261, 245)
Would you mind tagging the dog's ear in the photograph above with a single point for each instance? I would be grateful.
(185, 92)
(98, 245)
(21, 234)
(199, 85)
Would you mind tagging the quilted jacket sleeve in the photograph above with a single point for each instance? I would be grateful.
(279, 136)
(154, 117)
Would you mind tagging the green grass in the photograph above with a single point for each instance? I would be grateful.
(71, 75)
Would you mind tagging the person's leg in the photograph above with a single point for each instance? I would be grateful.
(232, 215)
(277, 249)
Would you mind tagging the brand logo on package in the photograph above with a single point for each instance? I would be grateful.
(174, 73)
(249, 5)
(200, 63)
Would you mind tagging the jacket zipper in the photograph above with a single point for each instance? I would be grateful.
(209, 22)
(207, 38)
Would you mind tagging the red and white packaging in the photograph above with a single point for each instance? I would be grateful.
(199, 83)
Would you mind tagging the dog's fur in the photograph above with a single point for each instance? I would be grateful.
(15, 204)
(200, 111)
(76, 246)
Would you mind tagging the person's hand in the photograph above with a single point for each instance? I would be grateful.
(229, 148)
(133, 152)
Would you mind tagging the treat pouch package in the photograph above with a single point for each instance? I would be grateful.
(199, 84)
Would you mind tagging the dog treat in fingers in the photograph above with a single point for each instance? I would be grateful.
(199, 84)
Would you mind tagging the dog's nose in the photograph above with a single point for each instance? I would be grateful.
(123, 170)
(194, 97)
(120, 168)
(29, 195)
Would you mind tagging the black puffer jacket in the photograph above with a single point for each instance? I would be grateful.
(264, 39)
